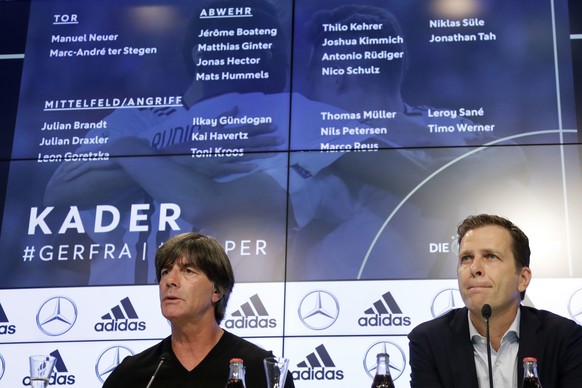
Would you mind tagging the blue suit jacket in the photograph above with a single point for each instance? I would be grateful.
(441, 352)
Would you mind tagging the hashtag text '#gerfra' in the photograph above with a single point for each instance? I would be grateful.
(66, 252)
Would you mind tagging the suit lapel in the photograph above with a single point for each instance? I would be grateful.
(462, 363)
(528, 346)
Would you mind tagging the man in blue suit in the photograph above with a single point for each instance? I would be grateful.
(450, 351)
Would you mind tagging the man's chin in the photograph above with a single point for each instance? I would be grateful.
(475, 304)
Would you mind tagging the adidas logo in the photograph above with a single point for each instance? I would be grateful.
(122, 317)
(251, 315)
(5, 326)
(384, 312)
(60, 375)
(318, 366)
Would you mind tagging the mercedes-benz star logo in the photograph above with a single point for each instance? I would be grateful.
(445, 301)
(575, 306)
(318, 310)
(2, 367)
(109, 359)
(397, 358)
(56, 316)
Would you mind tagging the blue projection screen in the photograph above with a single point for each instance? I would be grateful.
(332, 147)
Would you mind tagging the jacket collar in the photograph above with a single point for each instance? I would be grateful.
(462, 363)
(528, 347)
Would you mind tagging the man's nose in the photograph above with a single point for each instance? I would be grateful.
(477, 267)
(171, 278)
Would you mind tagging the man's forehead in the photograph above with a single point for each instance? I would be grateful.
(492, 236)
(181, 261)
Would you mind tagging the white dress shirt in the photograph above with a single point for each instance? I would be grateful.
(503, 362)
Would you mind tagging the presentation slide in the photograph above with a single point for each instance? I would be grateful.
(331, 146)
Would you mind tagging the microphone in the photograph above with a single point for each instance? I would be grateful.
(486, 313)
(163, 358)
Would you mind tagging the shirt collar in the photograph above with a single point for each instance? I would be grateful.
(513, 328)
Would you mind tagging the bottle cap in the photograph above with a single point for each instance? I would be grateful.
(530, 359)
(236, 360)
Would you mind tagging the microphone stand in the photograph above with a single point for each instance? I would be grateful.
(486, 313)
(162, 359)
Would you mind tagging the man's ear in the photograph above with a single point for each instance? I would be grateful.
(217, 295)
(524, 279)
